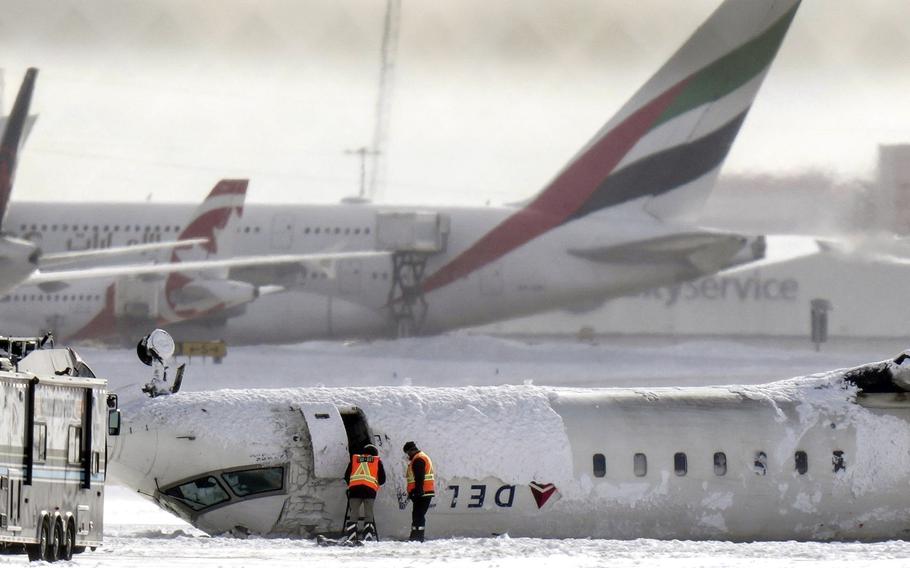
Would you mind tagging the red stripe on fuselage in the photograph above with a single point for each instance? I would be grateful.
(104, 324)
(563, 197)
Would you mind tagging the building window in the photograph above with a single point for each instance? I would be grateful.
(838, 461)
(640, 465)
(760, 465)
(680, 464)
(600, 465)
(802, 462)
(720, 463)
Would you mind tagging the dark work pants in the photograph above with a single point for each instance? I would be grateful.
(419, 513)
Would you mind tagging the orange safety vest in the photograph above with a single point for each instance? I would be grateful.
(364, 471)
(429, 478)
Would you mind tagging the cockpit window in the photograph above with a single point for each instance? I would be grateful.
(253, 481)
(199, 493)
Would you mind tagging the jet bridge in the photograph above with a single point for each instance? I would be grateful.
(412, 237)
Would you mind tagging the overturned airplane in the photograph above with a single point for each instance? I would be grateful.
(823, 457)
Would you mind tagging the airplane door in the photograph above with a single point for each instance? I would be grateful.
(282, 231)
(349, 276)
(328, 438)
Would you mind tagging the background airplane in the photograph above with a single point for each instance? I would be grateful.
(613, 221)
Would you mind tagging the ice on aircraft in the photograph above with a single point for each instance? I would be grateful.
(822, 457)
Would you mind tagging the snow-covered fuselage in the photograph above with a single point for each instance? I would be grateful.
(815, 458)
(352, 298)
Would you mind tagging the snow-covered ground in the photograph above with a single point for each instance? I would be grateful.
(139, 534)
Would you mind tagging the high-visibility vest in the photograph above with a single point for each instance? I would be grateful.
(364, 471)
(429, 478)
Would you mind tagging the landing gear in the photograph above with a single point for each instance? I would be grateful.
(406, 301)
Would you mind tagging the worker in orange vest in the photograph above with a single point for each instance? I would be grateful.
(364, 476)
(421, 488)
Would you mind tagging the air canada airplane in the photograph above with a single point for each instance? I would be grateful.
(613, 221)
(823, 457)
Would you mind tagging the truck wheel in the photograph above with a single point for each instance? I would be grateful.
(57, 542)
(69, 543)
(39, 551)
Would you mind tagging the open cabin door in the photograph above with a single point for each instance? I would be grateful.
(328, 437)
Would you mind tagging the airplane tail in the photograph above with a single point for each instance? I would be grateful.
(12, 139)
(212, 221)
(664, 148)
(667, 143)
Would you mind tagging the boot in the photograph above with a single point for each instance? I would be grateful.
(419, 535)
(369, 532)
(350, 532)
(414, 537)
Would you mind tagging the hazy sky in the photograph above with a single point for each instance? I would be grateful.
(490, 99)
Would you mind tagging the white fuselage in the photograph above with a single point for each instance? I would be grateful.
(806, 459)
(351, 298)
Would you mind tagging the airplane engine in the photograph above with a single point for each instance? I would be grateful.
(205, 294)
(18, 259)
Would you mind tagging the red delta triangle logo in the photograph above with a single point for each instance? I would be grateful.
(544, 493)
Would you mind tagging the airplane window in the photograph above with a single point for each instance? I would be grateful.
(199, 493)
(337, 230)
(306, 231)
(157, 228)
(253, 481)
(22, 227)
(137, 228)
(838, 461)
(34, 227)
(357, 231)
(66, 227)
(316, 230)
(85, 227)
(246, 229)
(5, 299)
(347, 231)
(43, 227)
(720, 463)
(256, 229)
(680, 463)
(53, 227)
(375, 276)
(94, 227)
(640, 465)
(116, 227)
(802, 462)
(760, 466)
(167, 228)
(366, 231)
(176, 228)
(600, 465)
(106, 228)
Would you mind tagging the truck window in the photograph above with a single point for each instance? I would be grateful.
(74, 445)
(40, 450)
(199, 493)
(252, 481)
